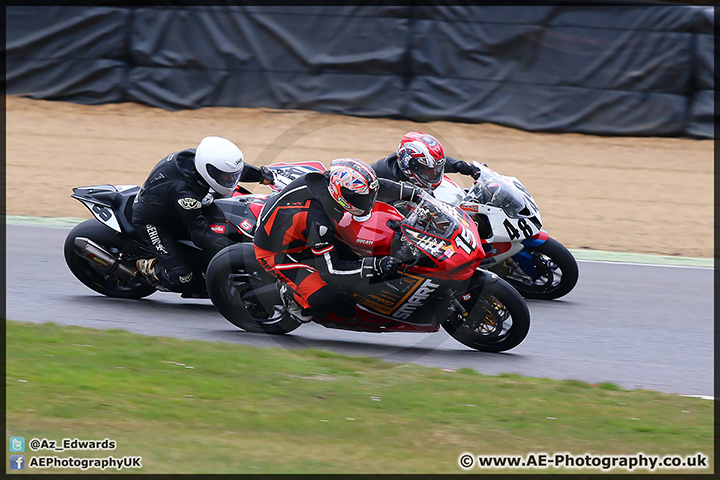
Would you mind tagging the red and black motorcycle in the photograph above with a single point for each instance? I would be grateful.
(438, 284)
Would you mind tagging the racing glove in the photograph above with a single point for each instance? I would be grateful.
(477, 172)
(210, 197)
(267, 177)
(379, 267)
(207, 200)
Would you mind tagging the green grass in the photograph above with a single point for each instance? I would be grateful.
(242, 409)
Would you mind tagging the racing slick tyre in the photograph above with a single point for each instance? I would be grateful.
(497, 318)
(233, 285)
(90, 275)
(555, 272)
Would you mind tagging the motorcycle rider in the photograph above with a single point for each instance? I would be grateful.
(169, 207)
(420, 160)
(295, 236)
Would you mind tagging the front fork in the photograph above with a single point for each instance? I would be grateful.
(464, 303)
(523, 259)
(478, 281)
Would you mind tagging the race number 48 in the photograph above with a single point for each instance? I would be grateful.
(513, 232)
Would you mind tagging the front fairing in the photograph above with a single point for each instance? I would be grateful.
(444, 238)
(449, 192)
(500, 191)
(505, 204)
(408, 303)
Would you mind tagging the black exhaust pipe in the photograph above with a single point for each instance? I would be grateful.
(104, 260)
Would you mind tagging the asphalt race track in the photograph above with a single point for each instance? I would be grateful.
(639, 326)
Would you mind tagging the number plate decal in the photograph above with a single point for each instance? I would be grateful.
(104, 215)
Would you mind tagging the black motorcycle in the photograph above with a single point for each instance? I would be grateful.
(101, 252)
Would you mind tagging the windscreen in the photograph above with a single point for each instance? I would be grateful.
(435, 217)
(492, 189)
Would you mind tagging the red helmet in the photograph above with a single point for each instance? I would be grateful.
(353, 185)
(422, 159)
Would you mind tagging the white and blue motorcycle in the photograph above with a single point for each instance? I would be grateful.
(517, 248)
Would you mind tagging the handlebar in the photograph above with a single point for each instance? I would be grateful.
(404, 253)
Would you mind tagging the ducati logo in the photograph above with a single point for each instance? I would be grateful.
(190, 203)
(427, 288)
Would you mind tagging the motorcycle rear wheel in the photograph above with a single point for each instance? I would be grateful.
(227, 283)
(92, 277)
(556, 273)
(499, 319)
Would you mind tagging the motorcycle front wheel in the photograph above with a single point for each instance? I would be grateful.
(230, 287)
(555, 272)
(497, 320)
(91, 276)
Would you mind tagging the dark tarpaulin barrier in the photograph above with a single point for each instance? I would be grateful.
(651, 18)
(356, 94)
(71, 53)
(241, 38)
(701, 122)
(91, 81)
(637, 17)
(534, 55)
(705, 62)
(621, 70)
(548, 108)
(701, 118)
(336, 59)
(547, 71)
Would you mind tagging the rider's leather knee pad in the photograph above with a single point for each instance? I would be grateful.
(180, 279)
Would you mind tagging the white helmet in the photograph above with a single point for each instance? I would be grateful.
(220, 163)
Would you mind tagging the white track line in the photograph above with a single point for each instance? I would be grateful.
(645, 264)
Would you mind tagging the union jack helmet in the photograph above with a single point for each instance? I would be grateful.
(353, 185)
(422, 159)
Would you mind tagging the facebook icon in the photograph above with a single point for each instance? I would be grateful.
(17, 462)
